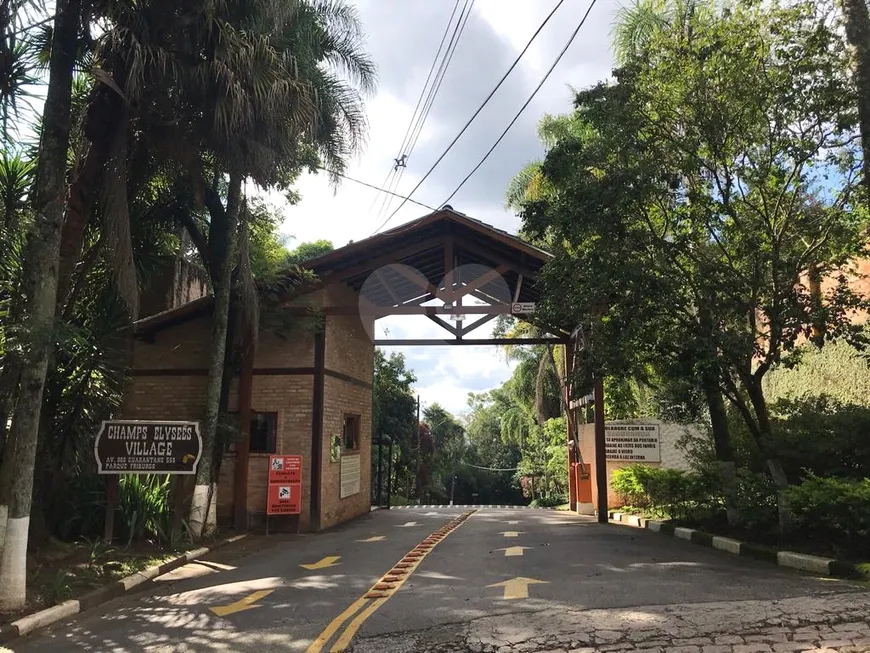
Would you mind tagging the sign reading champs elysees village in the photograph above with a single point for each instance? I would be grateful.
(139, 447)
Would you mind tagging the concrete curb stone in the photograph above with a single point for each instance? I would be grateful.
(791, 559)
(29, 623)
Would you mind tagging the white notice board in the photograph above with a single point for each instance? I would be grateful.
(350, 473)
(634, 442)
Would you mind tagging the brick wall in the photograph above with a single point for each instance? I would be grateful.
(289, 397)
(342, 398)
(184, 350)
(349, 352)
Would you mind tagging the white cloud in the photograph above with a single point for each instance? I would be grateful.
(403, 38)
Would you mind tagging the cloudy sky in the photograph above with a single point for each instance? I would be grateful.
(403, 37)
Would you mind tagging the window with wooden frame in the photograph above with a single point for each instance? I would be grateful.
(350, 433)
(263, 434)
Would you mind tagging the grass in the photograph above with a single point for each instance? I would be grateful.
(61, 571)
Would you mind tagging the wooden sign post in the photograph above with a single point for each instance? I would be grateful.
(284, 491)
(143, 447)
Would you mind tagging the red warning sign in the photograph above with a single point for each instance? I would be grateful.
(284, 499)
(285, 485)
(285, 469)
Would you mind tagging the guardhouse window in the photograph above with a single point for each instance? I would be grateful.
(350, 432)
(264, 432)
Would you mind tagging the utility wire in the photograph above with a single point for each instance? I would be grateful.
(458, 30)
(475, 114)
(491, 469)
(377, 188)
(392, 170)
(523, 108)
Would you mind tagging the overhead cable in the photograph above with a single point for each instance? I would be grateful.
(458, 30)
(522, 108)
(475, 114)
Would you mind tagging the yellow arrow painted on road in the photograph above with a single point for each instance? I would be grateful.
(514, 551)
(376, 538)
(328, 561)
(511, 533)
(518, 588)
(242, 604)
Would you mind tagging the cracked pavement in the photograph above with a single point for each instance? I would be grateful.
(505, 581)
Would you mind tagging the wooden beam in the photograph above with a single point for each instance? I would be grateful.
(475, 325)
(482, 280)
(518, 289)
(317, 430)
(373, 264)
(426, 285)
(243, 444)
(495, 256)
(478, 341)
(444, 324)
(387, 287)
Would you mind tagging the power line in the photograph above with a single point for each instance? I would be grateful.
(377, 188)
(405, 140)
(458, 31)
(491, 469)
(476, 113)
(523, 108)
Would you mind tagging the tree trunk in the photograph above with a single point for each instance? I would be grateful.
(817, 335)
(774, 464)
(858, 34)
(39, 286)
(103, 118)
(722, 446)
(222, 245)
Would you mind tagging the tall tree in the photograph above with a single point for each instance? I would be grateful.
(858, 34)
(703, 170)
(37, 311)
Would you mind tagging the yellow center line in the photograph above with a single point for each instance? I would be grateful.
(344, 641)
(381, 596)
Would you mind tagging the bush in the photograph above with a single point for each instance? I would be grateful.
(627, 485)
(835, 511)
(662, 491)
(549, 502)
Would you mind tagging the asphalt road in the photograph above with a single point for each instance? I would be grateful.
(466, 573)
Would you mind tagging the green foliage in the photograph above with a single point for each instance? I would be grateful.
(307, 251)
(667, 492)
(721, 164)
(394, 416)
(839, 371)
(836, 511)
(145, 508)
(822, 435)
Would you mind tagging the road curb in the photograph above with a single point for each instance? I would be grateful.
(32, 622)
(791, 559)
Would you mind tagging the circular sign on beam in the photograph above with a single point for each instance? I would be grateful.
(141, 447)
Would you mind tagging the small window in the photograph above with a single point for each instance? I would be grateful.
(350, 432)
(264, 432)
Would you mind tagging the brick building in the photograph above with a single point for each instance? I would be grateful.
(308, 391)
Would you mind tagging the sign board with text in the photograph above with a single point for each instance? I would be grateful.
(284, 499)
(143, 447)
(633, 442)
(285, 469)
(350, 476)
(522, 308)
(284, 492)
